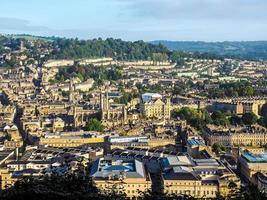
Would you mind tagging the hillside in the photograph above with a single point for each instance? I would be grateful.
(244, 50)
(30, 37)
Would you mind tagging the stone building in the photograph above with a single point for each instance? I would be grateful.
(253, 168)
(14, 138)
(154, 106)
(236, 136)
(112, 113)
(129, 177)
(199, 178)
(241, 106)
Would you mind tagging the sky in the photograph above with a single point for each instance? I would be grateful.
(177, 20)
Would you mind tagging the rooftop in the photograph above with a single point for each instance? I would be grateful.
(195, 142)
(104, 169)
(150, 96)
(172, 161)
(180, 173)
(206, 162)
(255, 158)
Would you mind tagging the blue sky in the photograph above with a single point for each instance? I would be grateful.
(206, 20)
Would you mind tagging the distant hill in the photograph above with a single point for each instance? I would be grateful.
(244, 50)
(30, 37)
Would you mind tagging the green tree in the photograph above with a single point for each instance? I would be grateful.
(125, 98)
(218, 148)
(195, 117)
(249, 118)
(71, 186)
(80, 76)
(248, 91)
(235, 120)
(262, 121)
(115, 48)
(219, 118)
(94, 125)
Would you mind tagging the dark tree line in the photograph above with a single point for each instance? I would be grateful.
(118, 49)
(236, 89)
(79, 186)
(198, 118)
(99, 74)
(115, 48)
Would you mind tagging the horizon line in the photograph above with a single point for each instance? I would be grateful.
(148, 41)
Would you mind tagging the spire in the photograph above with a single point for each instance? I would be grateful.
(22, 48)
(101, 101)
(71, 90)
(107, 100)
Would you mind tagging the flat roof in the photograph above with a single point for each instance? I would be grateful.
(255, 158)
(194, 141)
(104, 168)
(180, 173)
(206, 162)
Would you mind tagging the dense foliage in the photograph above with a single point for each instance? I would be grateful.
(220, 118)
(126, 97)
(74, 186)
(155, 88)
(115, 48)
(79, 186)
(99, 74)
(195, 117)
(118, 49)
(218, 148)
(236, 89)
(198, 118)
(94, 125)
(181, 88)
(249, 118)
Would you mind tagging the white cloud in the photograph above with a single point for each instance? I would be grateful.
(9, 23)
(197, 9)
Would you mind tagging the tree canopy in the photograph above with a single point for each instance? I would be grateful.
(249, 118)
(94, 125)
(195, 117)
(115, 48)
(236, 89)
(99, 74)
(220, 118)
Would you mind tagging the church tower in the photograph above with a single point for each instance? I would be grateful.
(124, 111)
(101, 101)
(104, 106)
(22, 48)
(71, 91)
